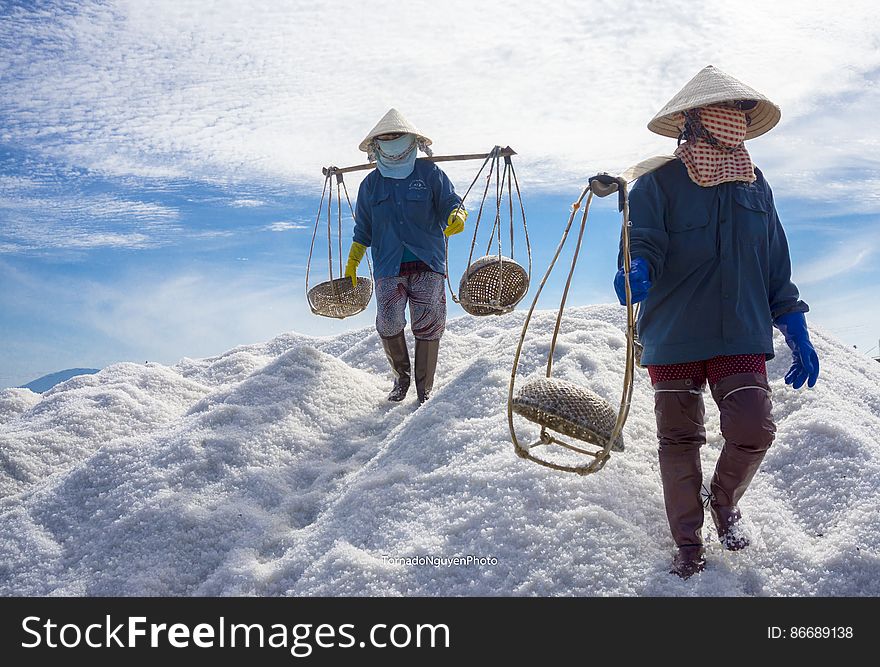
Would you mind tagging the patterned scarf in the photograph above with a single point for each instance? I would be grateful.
(714, 151)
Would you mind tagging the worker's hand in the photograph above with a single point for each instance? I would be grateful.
(355, 255)
(639, 281)
(455, 223)
(804, 360)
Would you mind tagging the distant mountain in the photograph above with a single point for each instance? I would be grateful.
(46, 382)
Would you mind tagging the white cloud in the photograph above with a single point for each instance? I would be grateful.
(106, 207)
(247, 203)
(845, 257)
(37, 216)
(212, 234)
(285, 226)
(162, 318)
(276, 90)
(841, 308)
(109, 240)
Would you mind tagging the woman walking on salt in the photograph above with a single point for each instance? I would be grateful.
(405, 209)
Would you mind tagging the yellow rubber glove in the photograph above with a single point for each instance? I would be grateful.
(355, 255)
(455, 223)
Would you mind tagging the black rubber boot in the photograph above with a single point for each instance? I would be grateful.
(426, 366)
(688, 561)
(398, 358)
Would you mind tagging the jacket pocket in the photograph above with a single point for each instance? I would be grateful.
(382, 209)
(751, 211)
(691, 237)
(419, 207)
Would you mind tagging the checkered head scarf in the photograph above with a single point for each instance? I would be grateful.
(713, 150)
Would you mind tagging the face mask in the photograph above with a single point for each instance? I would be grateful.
(714, 151)
(725, 124)
(396, 158)
(394, 150)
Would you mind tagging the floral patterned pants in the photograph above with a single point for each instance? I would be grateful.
(426, 295)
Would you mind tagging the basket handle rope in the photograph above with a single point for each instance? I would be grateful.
(314, 235)
(329, 173)
(521, 450)
(496, 227)
(339, 223)
(490, 160)
(496, 223)
(600, 185)
(506, 174)
(523, 213)
(333, 286)
(351, 210)
(492, 156)
(600, 458)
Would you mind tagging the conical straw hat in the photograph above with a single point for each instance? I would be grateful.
(393, 121)
(712, 86)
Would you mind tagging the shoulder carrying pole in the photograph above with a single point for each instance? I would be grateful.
(503, 152)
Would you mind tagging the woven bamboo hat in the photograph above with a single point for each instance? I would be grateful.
(712, 86)
(393, 121)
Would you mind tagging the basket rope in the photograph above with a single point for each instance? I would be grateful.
(601, 185)
(315, 234)
(339, 302)
(600, 457)
(492, 158)
(351, 209)
(502, 295)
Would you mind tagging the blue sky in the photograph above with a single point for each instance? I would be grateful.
(160, 162)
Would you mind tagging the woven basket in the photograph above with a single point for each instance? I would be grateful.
(478, 290)
(566, 408)
(337, 298)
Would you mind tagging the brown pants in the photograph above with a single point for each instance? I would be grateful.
(747, 425)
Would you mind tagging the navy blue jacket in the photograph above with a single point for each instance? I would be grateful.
(719, 266)
(393, 214)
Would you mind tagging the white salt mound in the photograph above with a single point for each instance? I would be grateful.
(280, 469)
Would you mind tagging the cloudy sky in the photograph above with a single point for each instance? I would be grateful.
(160, 160)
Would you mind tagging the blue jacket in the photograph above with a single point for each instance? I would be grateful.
(393, 214)
(719, 265)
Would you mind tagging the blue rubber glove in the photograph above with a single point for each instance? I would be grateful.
(805, 361)
(639, 281)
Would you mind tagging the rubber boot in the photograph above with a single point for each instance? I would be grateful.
(748, 429)
(679, 409)
(398, 358)
(426, 366)
(688, 561)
